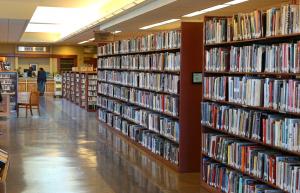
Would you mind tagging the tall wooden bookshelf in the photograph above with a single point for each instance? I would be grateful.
(72, 87)
(91, 92)
(212, 123)
(9, 83)
(185, 148)
(83, 89)
(77, 87)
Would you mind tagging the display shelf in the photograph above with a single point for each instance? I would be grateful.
(190, 61)
(9, 82)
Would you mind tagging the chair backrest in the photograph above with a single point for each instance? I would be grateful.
(35, 98)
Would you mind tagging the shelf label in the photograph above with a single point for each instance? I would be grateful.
(197, 77)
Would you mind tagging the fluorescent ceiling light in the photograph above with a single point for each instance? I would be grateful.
(116, 32)
(86, 41)
(40, 27)
(83, 42)
(159, 24)
(235, 2)
(74, 20)
(214, 8)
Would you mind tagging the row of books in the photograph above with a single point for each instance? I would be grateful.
(267, 165)
(150, 140)
(151, 81)
(282, 94)
(83, 89)
(230, 181)
(276, 58)
(92, 82)
(77, 88)
(92, 91)
(162, 61)
(270, 129)
(158, 102)
(152, 121)
(92, 87)
(72, 87)
(158, 41)
(277, 94)
(241, 26)
(283, 21)
(236, 121)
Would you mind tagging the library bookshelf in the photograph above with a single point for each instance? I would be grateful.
(91, 91)
(9, 83)
(264, 132)
(80, 88)
(123, 94)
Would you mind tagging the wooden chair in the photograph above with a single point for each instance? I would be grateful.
(34, 103)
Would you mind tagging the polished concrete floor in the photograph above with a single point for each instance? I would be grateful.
(67, 151)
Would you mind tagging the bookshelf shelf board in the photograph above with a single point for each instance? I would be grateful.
(245, 173)
(209, 188)
(252, 140)
(138, 70)
(269, 110)
(263, 74)
(140, 106)
(138, 88)
(232, 43)
(144, 149)
(263, 40)
(133, 122)
(141, 52)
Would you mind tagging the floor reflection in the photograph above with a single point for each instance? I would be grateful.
(66, 151)
(132, 170)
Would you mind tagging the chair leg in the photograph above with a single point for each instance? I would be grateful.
(17, 110)
(39, 111)
(26, 110)
(31, 110)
